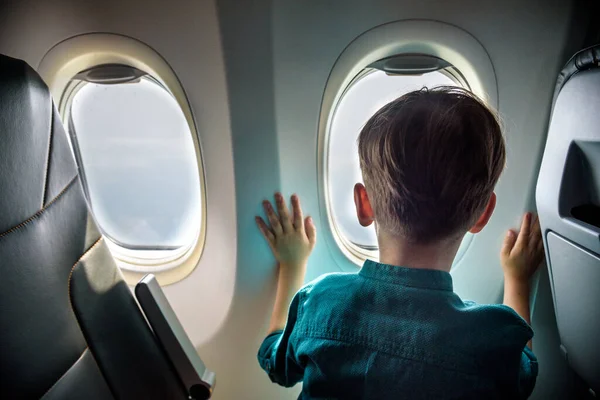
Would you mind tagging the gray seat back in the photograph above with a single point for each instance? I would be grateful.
(568, 202)
(69, 326)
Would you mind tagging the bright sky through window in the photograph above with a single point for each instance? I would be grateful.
(139, 163)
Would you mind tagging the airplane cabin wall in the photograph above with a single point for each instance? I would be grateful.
(255, 73)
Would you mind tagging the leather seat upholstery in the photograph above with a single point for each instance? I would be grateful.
(69, 326)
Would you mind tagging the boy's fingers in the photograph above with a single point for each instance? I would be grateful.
(536, 238)
(284, 215)
(509, 242)
(298, 218)
(264, 229)
(525, 231)
(539, 255)
(536, 230)
(311, 230)
(273, 218)
(540, 245)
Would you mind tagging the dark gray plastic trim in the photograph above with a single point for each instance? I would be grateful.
(568, 203)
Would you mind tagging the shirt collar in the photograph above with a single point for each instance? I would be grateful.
(412, 277)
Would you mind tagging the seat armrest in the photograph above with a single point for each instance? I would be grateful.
(198, 380)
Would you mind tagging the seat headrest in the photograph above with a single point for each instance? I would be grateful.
(582, 60)
(31, 135)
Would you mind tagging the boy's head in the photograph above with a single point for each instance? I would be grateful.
(430, 160)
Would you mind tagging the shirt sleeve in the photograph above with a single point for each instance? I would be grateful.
(528, 372)
(276, 353)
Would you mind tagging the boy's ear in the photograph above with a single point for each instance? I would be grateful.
(485, 216)
(364, 212)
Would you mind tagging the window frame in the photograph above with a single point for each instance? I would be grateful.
(421, 36)
(83, 51)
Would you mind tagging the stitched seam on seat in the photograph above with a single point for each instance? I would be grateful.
(40, 212)
(73, 269)
(49, 155)
(65, 373)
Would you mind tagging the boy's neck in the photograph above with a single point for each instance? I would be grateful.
(398, 251)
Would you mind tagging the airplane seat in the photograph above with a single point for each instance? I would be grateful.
(568, 203)
(69, 325)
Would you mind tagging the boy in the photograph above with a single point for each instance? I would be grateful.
(430, 161)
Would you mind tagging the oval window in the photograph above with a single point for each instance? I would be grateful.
(138, 163)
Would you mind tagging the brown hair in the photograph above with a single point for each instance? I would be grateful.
(430, 160)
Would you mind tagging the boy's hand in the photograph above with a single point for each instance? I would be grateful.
(290, 237)
(522, 253)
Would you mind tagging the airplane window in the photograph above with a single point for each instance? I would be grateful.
(139, 167)
(370, 91)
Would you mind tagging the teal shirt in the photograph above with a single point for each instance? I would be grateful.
(392, 332)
